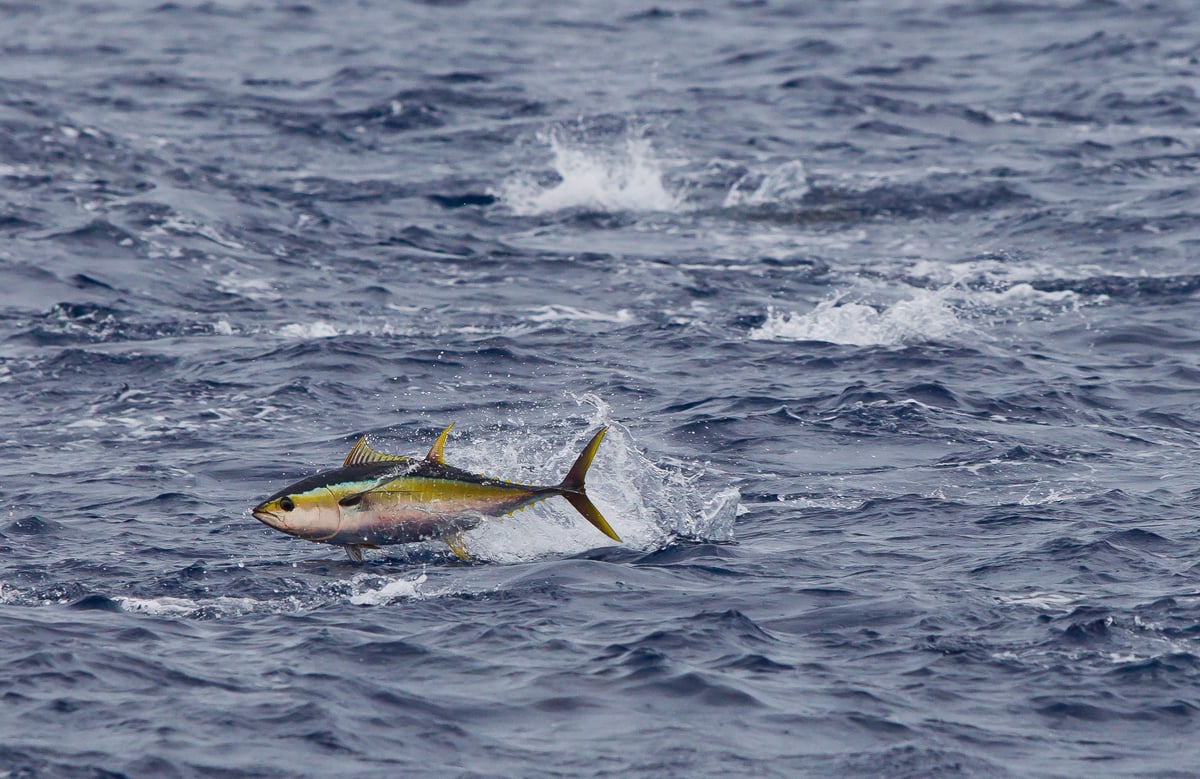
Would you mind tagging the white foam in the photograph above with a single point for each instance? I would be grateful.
(1048, 601)
(185, 226)
(129, 427)
(1117, 658)
(309, 330)
(166, 606)
(784, 184)
(1041, 495)
(90, 423)
(568, 314)
(252, 288)
(836, 503)
(890, 312)
(369, 592)
(1025, 294)
(361, 590)
(926, 316)
(624, 177)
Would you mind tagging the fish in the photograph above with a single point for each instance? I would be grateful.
(377, 499)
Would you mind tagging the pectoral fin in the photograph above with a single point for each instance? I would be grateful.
(364, 500)
(354, 551)
(455, 542)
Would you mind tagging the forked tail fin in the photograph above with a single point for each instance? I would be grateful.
(572, 488)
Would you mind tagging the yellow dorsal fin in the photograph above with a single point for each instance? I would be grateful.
(435, 451)
(361, 453)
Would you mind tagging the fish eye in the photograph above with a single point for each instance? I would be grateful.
(286, 503)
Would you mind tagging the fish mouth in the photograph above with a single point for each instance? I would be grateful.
(268, 517)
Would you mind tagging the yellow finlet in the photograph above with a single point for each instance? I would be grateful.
(435, 451)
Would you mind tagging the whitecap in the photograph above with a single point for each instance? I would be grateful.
(926, 316)
(370, 590)
(559, 313)
(624, 177)
(185, 226)
(786, 183)
(309, 330)
(166, 606)
(1048, 601)
(247, 287)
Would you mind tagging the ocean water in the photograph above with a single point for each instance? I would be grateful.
(891, 308)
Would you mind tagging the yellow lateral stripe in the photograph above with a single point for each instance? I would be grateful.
(419, 489)
(412, 490)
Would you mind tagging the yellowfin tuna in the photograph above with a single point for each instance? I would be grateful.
(376, 499)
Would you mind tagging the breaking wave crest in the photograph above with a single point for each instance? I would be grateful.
(925, 315)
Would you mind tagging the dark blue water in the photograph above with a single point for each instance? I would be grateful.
(892, 310)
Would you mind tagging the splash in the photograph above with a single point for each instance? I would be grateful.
(379, 591)
(784, 184)
(625, 177)
(927, 316)
(648, 505)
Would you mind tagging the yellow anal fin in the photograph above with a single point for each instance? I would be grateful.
(435, 451)
(354, 552)
(455, 542)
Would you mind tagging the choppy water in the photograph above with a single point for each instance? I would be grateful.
(891, 307)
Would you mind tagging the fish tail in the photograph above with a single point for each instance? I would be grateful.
(572, 487)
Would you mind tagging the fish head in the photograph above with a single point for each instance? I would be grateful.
(310, 514)
(313, 508)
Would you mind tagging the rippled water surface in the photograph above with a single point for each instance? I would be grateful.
(891, 309)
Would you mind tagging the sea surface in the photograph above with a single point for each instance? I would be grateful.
(892, 310)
